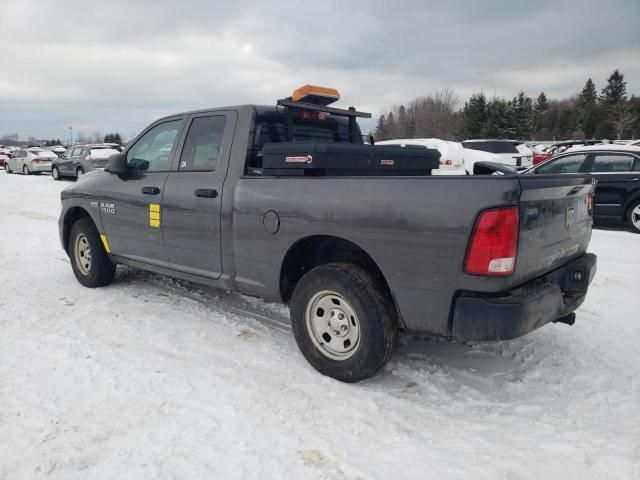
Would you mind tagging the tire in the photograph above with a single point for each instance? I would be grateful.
(25, 170)
(55, 173)
(371, 322)
(79, 172)
(7, 168)
(633, 216)
(90, 262)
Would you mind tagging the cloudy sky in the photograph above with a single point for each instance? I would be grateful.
(118, 65)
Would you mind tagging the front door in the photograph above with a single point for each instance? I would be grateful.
(131, 212)
(192, 198)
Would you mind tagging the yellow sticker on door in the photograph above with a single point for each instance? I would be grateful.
(154, 215)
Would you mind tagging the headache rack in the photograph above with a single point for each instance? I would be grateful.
(291, 106)
(319, 158)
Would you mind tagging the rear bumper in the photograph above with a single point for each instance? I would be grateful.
(39, 167)
(480, 317)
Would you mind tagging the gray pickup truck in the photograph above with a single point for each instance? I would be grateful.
(285, 202)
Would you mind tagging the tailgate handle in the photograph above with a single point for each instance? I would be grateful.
(150, 190)
(206, 192)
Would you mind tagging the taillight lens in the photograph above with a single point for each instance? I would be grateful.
(540, 157)
(494, 243)
(37, 160)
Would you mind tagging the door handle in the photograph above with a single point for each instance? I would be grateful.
(150, 190)
(206, 192)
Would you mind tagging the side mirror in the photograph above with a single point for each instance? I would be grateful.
(117, 164)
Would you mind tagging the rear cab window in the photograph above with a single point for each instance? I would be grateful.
(270, 127)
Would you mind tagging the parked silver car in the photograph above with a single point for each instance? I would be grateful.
(80, 159)
(31, 160)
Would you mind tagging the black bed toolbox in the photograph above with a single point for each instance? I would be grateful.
(348, 158)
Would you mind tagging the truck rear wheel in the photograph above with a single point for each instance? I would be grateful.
(343, 321)
(89, 260)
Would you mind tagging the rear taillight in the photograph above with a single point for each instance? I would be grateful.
(37, 160)
(540, 157)
(494, 243)
(446, 162)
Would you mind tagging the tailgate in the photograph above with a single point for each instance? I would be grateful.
(556, 215)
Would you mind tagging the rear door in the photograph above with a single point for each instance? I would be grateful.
(617, 181)
(130, 208)
(191, 205)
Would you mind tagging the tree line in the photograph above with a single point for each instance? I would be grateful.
(587, 114)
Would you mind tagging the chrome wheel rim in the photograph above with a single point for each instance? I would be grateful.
(80, 172)
(332, 325)
(55, 173)
(25, 170)
(635, 216)
(82, 251)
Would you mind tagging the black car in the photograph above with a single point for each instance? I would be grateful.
(617, 169)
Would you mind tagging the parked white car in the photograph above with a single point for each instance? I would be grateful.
(32, 160)
(451, 153)
(507, 152)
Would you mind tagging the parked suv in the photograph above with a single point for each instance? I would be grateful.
(617, 169)
(80, 159)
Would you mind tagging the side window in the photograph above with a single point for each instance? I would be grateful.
(636, 165)
(152, 152)
(612, 162)
(202, 145)
(567, 164)
(76, 151)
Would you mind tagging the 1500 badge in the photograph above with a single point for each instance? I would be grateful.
(106, 207)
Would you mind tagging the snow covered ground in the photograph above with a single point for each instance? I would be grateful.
(156, 378)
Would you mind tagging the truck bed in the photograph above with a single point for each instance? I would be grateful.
(416, 229)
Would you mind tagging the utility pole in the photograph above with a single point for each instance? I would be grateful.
(70, 135)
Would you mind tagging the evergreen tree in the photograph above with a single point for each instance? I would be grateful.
(588, 109)
(401, 131)
(474, 116)
(521, 117)
(498, 119)
(615, 112)
(615, 90)
(381, 133)
(539, 111)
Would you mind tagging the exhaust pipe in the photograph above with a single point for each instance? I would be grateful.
(569, 319)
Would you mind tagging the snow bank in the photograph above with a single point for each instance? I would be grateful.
(156, 378)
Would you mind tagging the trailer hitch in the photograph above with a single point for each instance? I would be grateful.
(568, 319)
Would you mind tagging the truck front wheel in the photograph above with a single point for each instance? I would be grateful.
(89, 260)
(344, 321)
